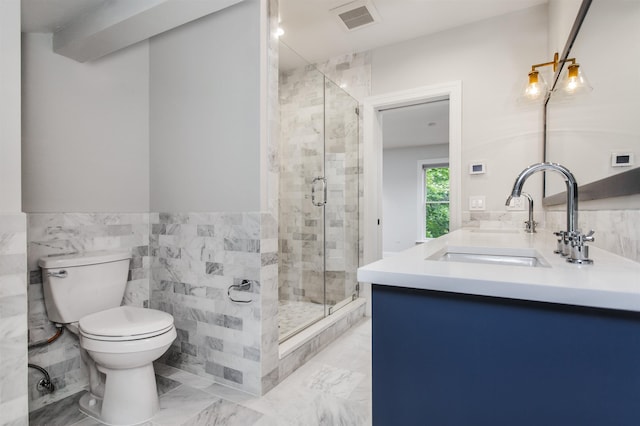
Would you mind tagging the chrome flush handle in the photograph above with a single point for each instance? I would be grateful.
(58, 274)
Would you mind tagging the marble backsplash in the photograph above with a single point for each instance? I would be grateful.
(617, 231)
(61, 233)
(13, 320)
(499, 219)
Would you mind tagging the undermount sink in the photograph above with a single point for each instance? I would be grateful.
(490, 255)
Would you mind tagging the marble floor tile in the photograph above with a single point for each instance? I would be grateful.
(230, 394)
(327, 390)
(88, 421)
(180, 404)
(224, 413)
(182, 376)
(61, 413)
(165, 384)
(335, 381)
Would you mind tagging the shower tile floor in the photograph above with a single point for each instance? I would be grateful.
(333, 388)
(294, 315)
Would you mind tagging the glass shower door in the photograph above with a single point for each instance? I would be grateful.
(318, 196)
(301, 208)
(342, 172)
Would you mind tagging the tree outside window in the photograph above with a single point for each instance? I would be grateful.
(436, 201)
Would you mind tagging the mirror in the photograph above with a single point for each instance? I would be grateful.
(597, 135)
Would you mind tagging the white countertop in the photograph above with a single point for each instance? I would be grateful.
(611, 282)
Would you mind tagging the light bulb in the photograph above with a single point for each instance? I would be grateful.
(575, 82)
(536, 88)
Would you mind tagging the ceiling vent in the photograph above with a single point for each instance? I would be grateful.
(356, 14)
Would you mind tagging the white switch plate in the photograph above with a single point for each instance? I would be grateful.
(517, 203)
(477, 203)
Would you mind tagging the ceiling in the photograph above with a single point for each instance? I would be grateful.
(416, 125)
(312, 30)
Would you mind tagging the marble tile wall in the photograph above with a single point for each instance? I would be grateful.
(197, 259)
(499, 219)
(61, 233)
(351, 72)
(617, 231)
(13, 320)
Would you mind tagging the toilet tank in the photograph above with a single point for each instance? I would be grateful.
(79, 284)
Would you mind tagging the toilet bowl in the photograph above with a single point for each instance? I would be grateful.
(123, 342)
(83, 291)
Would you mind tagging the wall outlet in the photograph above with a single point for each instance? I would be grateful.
(477, 203)
(517, 203)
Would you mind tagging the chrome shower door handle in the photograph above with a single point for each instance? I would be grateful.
(324, 191)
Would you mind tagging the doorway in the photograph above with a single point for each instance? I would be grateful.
(415, 201)
(373, 158)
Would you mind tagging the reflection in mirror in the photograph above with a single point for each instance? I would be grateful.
(598, 135)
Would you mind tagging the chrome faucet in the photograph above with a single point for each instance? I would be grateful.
(529, 225)
(571, 243)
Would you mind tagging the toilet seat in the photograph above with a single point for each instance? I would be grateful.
(125, 323)
(124, 338)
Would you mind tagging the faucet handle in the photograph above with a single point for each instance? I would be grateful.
(580, 251)
(562, 240)
(530, 226)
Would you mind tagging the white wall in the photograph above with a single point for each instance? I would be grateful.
(204, 113)
(401, 191)
(562, 15)
(85, 130)
(582, 133)
(492, 59)
(10, 106)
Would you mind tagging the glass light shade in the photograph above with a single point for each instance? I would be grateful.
(536, 87)
(574, 82)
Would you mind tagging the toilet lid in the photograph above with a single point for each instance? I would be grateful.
(125, 321)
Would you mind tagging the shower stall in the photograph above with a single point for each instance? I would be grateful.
(319, 193)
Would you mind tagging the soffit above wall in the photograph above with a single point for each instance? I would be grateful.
(86, 30)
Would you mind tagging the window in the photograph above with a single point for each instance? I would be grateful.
(436, 200)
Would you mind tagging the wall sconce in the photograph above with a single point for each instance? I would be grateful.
(573, 82)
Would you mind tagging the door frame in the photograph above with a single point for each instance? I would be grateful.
(372, 161)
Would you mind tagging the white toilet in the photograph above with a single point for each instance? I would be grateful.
(83, 292)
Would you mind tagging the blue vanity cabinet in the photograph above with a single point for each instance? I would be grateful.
(452, 359)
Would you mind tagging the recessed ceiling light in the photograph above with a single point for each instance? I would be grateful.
(279, 32)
